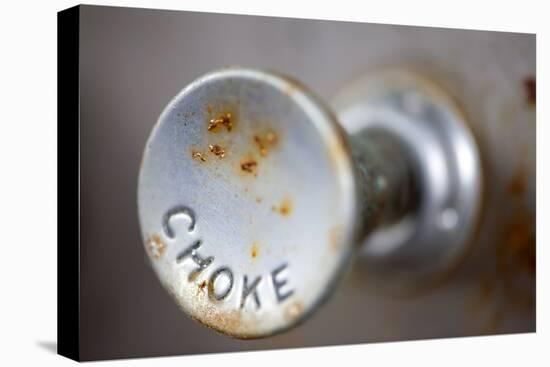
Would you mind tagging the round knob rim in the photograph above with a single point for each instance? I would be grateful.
(247, 201)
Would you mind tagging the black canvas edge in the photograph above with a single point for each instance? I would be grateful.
(68, 184)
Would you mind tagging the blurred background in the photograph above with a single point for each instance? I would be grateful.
(133, 61)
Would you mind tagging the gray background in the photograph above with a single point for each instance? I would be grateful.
(133, 61)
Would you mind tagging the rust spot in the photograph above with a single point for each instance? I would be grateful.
(249, 166)
(262, 149)
(201, 287)
(254, 250)
(211, 290)
(511, 285)
(517, 250)
(293, 310)
(284, 208)
(217, 150)
(518, 184)
(271, 137)
(225, 120)
(222, 117)
(258, 200)
(290, 89)
(155, 246)
(198, 155)
(335, 238)
(530, 85)
(265, 141)
(228, 322)
(193, 276)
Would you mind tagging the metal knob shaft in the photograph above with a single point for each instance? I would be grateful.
(252, 198)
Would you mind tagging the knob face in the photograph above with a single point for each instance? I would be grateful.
(247, 201)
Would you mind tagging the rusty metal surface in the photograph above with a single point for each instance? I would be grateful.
(251, 199)
(253, 233)
(133, 61)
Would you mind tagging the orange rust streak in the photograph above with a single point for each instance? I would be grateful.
(284, 208)
(254, 251)
(155, 246)
(249, 166)
(217, 150)
(224, 120)
(201, 287)
(227, 322)
(530, 84)
(517, 251)
(518, 184)
(198, 155)
(265, 141)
